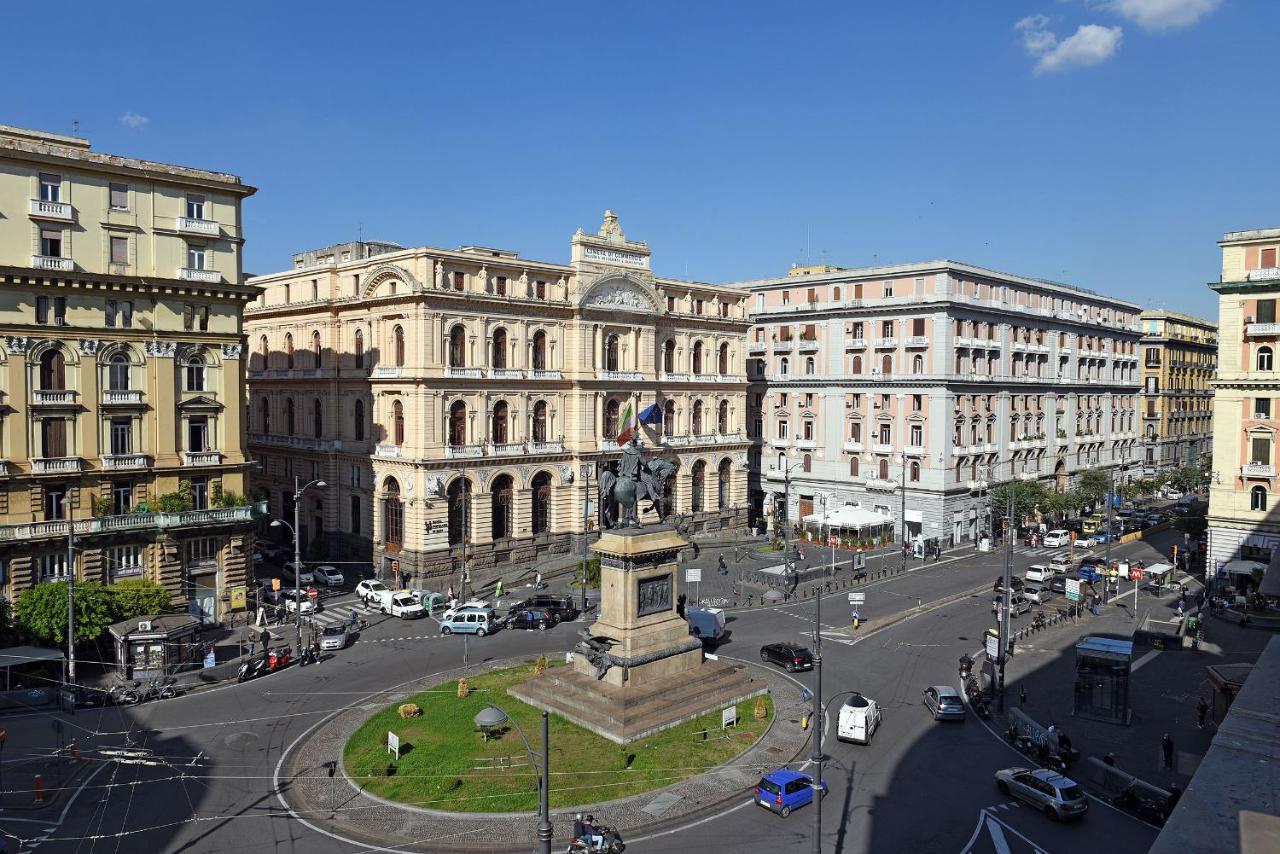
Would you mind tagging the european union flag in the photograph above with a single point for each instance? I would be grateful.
(651, 415)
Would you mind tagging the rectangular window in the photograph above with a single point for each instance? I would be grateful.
(126, 314)
(124, 561)
(459, 281)
(51, 242)
(1262, 407)
(1266, 311)
(119, 197)
(121, 436)
(198, 433)
(1260, 450)
(54, 508)
(808, 430)
(203, 551)
(500, 286)
(355, 476)
(886, 434)
(121, 497)
(888, 289)
(200, 493)
(786, 297)
(782, 430)
(50, 187)
(886, 329)
(188, 316)
(195, 208)
(195, 256)
(540, 290)
(917, 402)
(42, 310)
(1268, 258)
(697, 306)
(917, 435)
(53, 567)
(119, 250)
(203, 313)
(724, 309)
(355, 514)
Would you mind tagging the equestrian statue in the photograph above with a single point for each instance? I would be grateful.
(636, 479)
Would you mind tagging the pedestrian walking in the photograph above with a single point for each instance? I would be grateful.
(253, 641)
(722, 566)
(537, 580)
(1022, 695)
(856, 618)
(497, 590)
(1166, 749)
(1202, 709)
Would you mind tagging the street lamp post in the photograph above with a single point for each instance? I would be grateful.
(787, 563)
(297, 550)
(71, 587)
(816, 719)
(902, 488)
(493, 716)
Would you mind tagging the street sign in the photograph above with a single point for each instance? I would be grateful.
(393, 744)
(313, 594)
(857, 598)
(1073, 589)
(993, 646)
(692, 574)
(210, 659)
(1135, 573)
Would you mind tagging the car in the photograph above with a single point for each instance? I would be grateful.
(792, 656)
(859, 719)
(469, 621)
(267, 595)
(1056, 796)
(1038, 572)
(1038, 595)
(944, 703)
(334, 637)
(329, 576)
(561, 607)
(1018, 604)
(1014, 582)
(1088, 541)
(1173, 494)
(530, 618)
(402, 605)
(371, 589)
(1057, 538)
(1061, 563)
(454, 609)
(297, 601)
(1058, 584)
(304, 574)
(783, 790)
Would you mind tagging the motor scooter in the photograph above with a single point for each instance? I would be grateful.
(613, 843)
(252, 668)
(279, 659)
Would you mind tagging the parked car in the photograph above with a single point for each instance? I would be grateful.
(1038, 595)
(530, 618)
(329, 576)
(297, 601)
(402, 605)
(1061, 563)
(1038, 572)
(470, 603)
(561, 607)
(789, 655)
(469, 621)
(1058, 584)
(1057, 538)
(371, 589)
(334, 637)
(783, 790)
(859, 719)
(1056, 796)
(304, 574)
(1015, 583)
(944, 703)
(1018, 604)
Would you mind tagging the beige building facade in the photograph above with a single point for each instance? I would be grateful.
(123, 387)
(1243, 509)
(1179, 362)
(470, 395)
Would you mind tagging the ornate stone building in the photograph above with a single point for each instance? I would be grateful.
(121, 384)
(470, 394)
(1179, 362)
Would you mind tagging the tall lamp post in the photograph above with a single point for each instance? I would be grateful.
(788, 566)
(71, 587)
(297, 550)
(816, 719)
(493, 716)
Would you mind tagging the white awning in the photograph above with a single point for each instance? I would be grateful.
(850, 517)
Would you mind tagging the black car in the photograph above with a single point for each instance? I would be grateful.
(792, 656)
(1014, 581)
(1058, 584)
(561, 607)
(531, 618)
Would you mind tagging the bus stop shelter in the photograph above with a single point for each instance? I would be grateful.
(1102, 679)
(30, 676)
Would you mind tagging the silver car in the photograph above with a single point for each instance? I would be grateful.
(334, 637)
(944, 703)
(1048, 791)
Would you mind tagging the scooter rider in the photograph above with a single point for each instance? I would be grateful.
(593, 836)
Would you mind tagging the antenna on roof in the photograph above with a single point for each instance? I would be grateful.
(360, 232)
(75, 126)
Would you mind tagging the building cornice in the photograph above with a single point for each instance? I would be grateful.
(146, 284)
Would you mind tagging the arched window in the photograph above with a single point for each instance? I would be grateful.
(315, 349)
(317, 418)
(723, 360)
(358, 419)
(857, 364)
(359, 348)
(260, 359)
(458, 424)
(1264, 358)
(499, 346)
(541, 488)
(669, 357)
(459, 498)
(722, 483)
(53, 370)
(392, 515)
(915, 471)
(539, 350)
(884, 469)
(118, 373)
(498, 427)
(397, 335)
(809, 364)
(457, 347)
(806, 462)
(611, 419)
(288, 417)
(917, 364)
(697, 357)
(853, 466)
(697, 418)
(288, 350)
(500, 511)
(697, 485)
(722, 418)
(540, 421)
(669, 418)
(264, 407)
(1258, 498)
(195, 373)
(886, 364)
(397, 422)
(784, 365)
(611, 353)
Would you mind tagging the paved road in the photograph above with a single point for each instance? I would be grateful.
(205, 780)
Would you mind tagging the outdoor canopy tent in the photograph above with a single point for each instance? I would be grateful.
(849, 516)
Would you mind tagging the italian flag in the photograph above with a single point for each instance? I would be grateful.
(626, 424)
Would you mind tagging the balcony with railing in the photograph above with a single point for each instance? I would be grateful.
(461, 373)
(202, 458)
(754, 347)
(782, 346)
(807, 444)
(1257, 470)
(119, 462)
(556, 447)
(56, 465)
(506, 374)
(122, 397)
(387, 451)
(885, 343)
(192, 274)
(675, 441)
(609, 445)
(463, 452)
(53, 397)
(976, 485)
(506, 449)
(852, 446)
(1262, 274)
(621, 376)
(59, 211)
(855, 344)
(913, 450)
(52, 262)
(202, 227)
(918, 341)
(882, 447)
(128, 522)
(1258, 330)
(545, 374)
(808, 345)
(877, 484)
(391, 372)
(675, 378)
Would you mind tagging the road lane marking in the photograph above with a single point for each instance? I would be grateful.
(1146, 659)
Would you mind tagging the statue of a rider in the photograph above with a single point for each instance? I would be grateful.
(635, 479)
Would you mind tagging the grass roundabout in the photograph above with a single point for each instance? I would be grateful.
(447, 763)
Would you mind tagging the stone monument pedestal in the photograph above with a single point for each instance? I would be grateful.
(641, 671)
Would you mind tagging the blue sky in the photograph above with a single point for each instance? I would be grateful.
(1106, 143)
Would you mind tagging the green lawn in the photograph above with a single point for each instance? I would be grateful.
(446, 763)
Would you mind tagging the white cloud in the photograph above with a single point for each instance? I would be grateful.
(134, 120)
(1162, 14)
(1089, 45)
(1036, 38)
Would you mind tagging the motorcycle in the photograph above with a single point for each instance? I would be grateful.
(252, 668)
(981, 708)
(613, 843)
(279, 659)
(123, 695)
(966, 665)
(1039, 622)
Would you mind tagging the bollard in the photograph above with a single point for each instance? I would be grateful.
(39, 789)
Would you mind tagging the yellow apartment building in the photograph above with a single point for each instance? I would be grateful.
(120, 358)
(1179, 362)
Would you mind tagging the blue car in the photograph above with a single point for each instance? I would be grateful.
(783, 790)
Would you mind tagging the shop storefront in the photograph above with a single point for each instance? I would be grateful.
(149, 647)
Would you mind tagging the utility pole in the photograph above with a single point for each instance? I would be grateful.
(586, 530)
(297, 563)
(787, 566)
(1008, 574)
(815, 719)
(902, 487)
(71, 588)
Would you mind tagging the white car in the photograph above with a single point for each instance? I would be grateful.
(1057, 538)
(304, 575)
(298, 601)
(1087, 541)
(1061, 564)
(371, 589)
(328, 576)
(471, 603)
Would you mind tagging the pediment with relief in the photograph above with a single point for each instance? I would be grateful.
(621, 293)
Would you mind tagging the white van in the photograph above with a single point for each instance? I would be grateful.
(1057, 538)
(1039, 572)
(859, 719)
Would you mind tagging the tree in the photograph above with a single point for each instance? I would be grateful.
(1062, 504)
(1093, 485)
(1027, 495)
(42, 612)
(1145, 487)
(138, 597)
(1186, 478)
